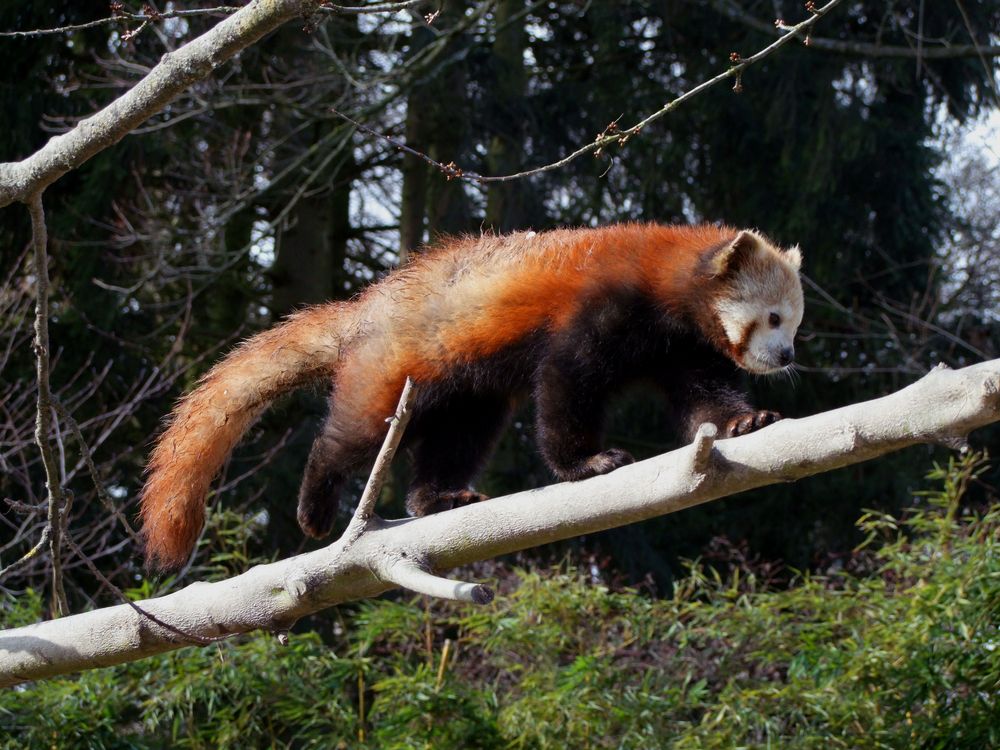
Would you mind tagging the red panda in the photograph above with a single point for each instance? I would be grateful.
(568, 315)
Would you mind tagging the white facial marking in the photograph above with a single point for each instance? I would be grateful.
(735, 315)
(770, 285)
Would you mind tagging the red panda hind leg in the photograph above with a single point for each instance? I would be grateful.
(452, 436)
(332, 460)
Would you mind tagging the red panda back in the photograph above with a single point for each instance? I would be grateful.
(473, 297)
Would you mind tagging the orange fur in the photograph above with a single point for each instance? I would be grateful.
(520, 283)
(464, 301)
(207, 423)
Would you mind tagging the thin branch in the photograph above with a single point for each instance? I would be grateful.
(354, 10)
(124, 16)
(383, 462)
(414, 576)
(175, 72)
(982, 56)
(612, 135)
(862, 49)
(145, 18)
(102, 493)
(28, 556)
(928, 325)
(43, 418)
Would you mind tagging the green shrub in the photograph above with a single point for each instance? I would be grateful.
(899, 648)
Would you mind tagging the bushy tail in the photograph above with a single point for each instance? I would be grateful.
(209, 421)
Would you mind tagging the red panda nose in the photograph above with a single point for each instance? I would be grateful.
(786, 355)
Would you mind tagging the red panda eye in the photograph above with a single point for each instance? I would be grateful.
(774, 320)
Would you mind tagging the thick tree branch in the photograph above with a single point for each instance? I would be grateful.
(943, 405)
(164, 83)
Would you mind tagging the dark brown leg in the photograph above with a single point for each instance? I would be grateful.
(453, 439)
(333, 458)
(583, 365)
(710, 395)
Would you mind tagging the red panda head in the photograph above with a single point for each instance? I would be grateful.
(758, 301)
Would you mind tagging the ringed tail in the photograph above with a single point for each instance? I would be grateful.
(208, 422)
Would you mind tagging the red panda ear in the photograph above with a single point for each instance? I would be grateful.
(735, 254)
(794, 256)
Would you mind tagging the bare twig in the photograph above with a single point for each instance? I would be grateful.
(43, 419)
(355, 10)
(982, 53)
(863, 49)
(380, 471)
(28, 556)
(613, 136)
(175, 72)
(145, 18)
(121, 17)
(98, 484)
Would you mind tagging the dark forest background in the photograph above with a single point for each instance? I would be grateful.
(250, 197)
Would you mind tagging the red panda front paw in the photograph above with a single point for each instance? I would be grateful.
(749, 422)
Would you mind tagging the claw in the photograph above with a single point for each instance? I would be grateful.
(750, 422)
(424, 503)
